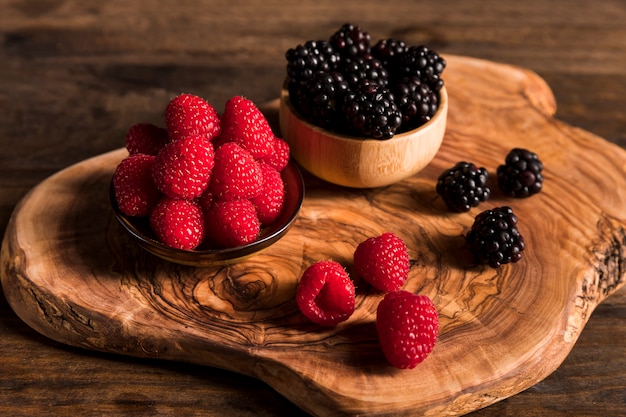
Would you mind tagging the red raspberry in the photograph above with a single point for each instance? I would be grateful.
(232, 223)
(236, 173)
(134, 189)
(408, 326)
(325, 294)
(145, 138)
(383, 261)
(269, 202)
(279, 158)
(244, 124)
(190, 115)
(183, 168)
(178, 223)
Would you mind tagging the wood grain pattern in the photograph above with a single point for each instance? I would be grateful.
(69, 271)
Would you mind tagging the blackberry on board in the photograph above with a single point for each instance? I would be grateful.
(370, 111)
(463, 186)
(320, 100)
(305, 61)
(417, 102)
(424, 63)
(521, 175)
(494, 238)
(351, 40)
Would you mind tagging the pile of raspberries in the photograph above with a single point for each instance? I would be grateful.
(205, 180)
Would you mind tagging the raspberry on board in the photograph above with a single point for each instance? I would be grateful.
(190, 115)
(326, 294)
(232, 223)
(133, 187)
(383, 261)
(183, 168)
(178, 223)
(408, 327)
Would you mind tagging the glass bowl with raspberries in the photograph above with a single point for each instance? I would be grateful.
(363, 114)
(206, 189)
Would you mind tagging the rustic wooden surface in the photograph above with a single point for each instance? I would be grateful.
(74, 76)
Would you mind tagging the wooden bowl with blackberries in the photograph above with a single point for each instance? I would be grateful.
(362, 114)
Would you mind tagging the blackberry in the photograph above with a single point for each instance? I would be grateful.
(389, 51)
(370, 111)
(416, 101)
(521, 175)
(365, 67)
(463, 186)
(424, 63)
(319, 100)
(351, 40)
(304, 61)
(495, 239)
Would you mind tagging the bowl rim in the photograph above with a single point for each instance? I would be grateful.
(443, 103)
(294, 185)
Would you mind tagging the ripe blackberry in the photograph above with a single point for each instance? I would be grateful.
(370, 111)
(494, 238)
(463, 186)
(365, 67)
(416, 101)
(521, 175)
(319, 100)
(351, 40)
(389, 51)
(304, 61)
(424, 63)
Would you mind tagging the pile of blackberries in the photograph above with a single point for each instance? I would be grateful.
(349, 85)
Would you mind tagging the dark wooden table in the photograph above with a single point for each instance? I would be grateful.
(74, 75)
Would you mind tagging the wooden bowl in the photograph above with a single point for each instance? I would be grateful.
(140, 232)
(356, 162)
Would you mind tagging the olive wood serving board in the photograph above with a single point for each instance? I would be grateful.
(71, 272)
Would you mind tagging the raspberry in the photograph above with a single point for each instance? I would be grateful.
(521, 174)
(408, 326)
(145, 138)
(269, 202)
(383, 261)
(190, 115)
(494, 238)
(244, 124)
(463, 186)
(178, 223)
(351, 40)
(133, 187)
(236, 173)
(279, 158)
(183, 168)
(232, 223)
(325, 294)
